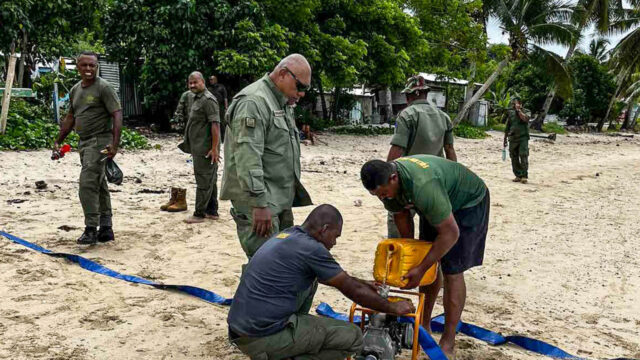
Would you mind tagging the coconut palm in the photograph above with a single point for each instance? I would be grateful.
(530, 24)
(625, 57)
(586, 13)
(598, 49)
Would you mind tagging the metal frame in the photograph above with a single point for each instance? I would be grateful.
(417, 318)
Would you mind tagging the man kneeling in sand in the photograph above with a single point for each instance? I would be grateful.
(269, 316)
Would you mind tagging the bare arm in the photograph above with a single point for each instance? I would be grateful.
(65, 128)
(448, 233)
(523, 117)
(363, 294)
(404, 223)
(215, 141)
(450, 152)
(117, 130)
(395, 152)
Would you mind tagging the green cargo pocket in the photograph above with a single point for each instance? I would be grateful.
(257, 182)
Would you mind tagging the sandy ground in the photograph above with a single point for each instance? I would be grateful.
(561, 263)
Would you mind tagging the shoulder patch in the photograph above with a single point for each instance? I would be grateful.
(250, 122)
(282, 235)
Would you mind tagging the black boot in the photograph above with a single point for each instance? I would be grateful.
(105, 234)
(89, 237)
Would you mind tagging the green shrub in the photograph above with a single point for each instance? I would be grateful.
(363, 130)
(498, 127)
(467, 131)
(29, 127)
(553, 127)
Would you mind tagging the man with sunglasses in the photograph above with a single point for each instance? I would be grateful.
(262, 154)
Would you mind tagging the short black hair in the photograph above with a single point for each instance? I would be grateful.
(375, 173)
(88, 53)
(323, 214)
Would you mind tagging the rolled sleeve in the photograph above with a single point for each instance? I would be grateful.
(401, 134)
(249, 132)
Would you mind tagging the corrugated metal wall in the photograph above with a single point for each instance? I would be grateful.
(126, 89)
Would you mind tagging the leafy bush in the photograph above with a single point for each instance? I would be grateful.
(29, 127)
(467, 131)
(363, 130)
(553, 127)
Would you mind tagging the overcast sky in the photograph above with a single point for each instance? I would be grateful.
(496, 36)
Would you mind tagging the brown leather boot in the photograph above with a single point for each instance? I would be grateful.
(181, 201)
(172, 200)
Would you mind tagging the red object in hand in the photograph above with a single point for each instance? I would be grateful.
(65, 149)
(60, 153)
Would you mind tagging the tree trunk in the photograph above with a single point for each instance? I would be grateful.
(322, 99)
(23, 59)
(537, 123)
(388, 104)
(627, 115)
(467, 105)
(623, 76)
(336, 98)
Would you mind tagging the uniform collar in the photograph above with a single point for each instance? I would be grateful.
(282, 99)
(421, 101)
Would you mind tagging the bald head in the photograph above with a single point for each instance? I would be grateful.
(292, 76)
(324, 223)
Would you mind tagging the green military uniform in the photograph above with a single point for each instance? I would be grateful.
(220, 92)
(181, 116)
(92, 109)
(437, 188)
(197, 142)
(421, 128)
(262, 161)
(518, 133)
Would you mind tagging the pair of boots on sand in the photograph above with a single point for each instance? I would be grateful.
(177, 202)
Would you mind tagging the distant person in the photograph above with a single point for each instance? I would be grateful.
(96, 115)
(220, 92)
(517, 131)
(202, 141)
(421, 128)
(269, 316)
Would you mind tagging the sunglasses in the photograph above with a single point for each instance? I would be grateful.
(299, 85)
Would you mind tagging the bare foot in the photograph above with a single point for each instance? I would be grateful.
(212, 217)
(194, 220)
(449, 351)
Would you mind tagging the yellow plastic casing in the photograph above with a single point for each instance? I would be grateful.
(405, 255)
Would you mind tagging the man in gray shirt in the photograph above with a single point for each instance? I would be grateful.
(269, 316)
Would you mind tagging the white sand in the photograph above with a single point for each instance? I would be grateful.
(561, 263)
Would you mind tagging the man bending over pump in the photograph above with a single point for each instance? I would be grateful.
(269, 317)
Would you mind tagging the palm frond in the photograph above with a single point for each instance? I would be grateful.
(627, 54)
(555, 67)
(554, 33)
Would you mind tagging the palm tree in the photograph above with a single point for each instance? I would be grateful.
(625, 57)
(530, 23)
(587, 12)
(598, 49)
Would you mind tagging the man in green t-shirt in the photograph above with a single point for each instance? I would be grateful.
(96, 115)
(517, 131)
(455, 203)
(421, 128)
